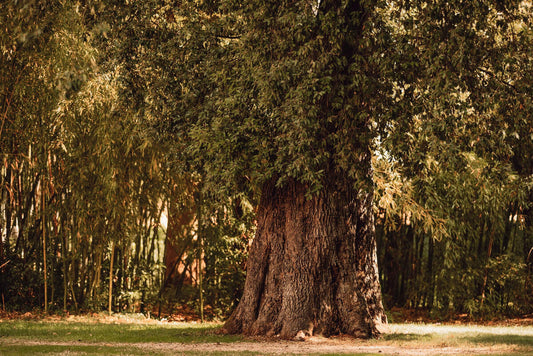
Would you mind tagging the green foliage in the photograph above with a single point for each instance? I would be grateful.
(449, 151)
(473, 214)
(68, 140)
(244, 106)
(225, 247)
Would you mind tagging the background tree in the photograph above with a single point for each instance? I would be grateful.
(460, 105)
(66, 138)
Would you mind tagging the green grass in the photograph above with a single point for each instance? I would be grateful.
(19, 337)
(463, 334)
(126, 333)
(96, 350)
(93, 332)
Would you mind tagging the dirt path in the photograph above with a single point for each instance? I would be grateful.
(311, 346)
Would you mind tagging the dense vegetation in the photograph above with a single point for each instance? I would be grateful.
(126, 183)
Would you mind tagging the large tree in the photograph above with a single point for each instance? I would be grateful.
(274, 100)
(289, 117)
(312, 266)
(284, 100)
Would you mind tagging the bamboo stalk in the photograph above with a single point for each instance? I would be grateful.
(200, 284)
(43, 197)
(111, 278)
(200, 251)
(485, 278)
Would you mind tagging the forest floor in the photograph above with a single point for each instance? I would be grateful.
(99, 334)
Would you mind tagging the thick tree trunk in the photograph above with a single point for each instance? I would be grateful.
(312, 265)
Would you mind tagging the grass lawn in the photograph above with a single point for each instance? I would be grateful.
(96, 336)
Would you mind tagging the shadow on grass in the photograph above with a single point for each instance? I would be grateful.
(99, 350)
(406, 337)
(54, 349)
(126, 333)
(506, 339)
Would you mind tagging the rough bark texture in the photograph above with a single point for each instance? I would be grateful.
(312, 265)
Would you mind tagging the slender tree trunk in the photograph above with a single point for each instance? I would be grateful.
(312, 266)
(199, 236)
(418, 271)
(97, 262)
(45, 274)
(430, 277)
(65, 268)
(486, 276)
(53, 261)
(200, 284)
(8, 209)
(110, 301)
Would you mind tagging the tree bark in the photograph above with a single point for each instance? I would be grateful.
(312, 265)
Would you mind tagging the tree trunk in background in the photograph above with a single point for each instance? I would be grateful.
(65, 268)
(312, 265)
(430, 275)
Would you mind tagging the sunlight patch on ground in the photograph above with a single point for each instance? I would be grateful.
(423, 329)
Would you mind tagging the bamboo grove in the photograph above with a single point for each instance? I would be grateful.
(96, 214)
